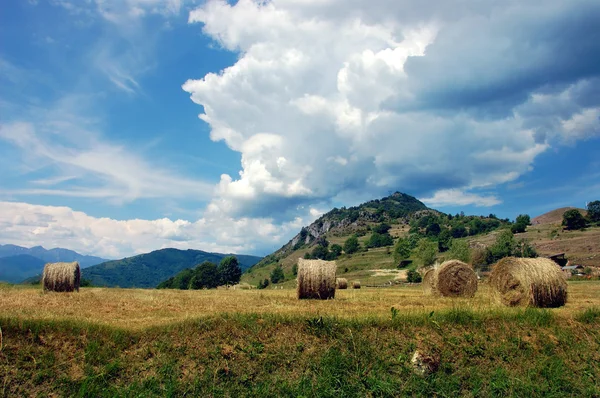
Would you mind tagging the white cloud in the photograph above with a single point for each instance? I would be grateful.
(92, 168)
(27, 225)
(456, 197)
(385, 95)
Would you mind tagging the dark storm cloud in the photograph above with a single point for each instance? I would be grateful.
(494, 63)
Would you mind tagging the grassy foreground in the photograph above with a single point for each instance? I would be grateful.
(484, 350)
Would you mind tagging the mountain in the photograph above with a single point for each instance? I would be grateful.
(376, 225)
(554, 216)
(398, 207)
(50, 256)
(148, 270)
(15, 269)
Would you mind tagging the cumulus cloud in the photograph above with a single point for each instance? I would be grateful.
(51, 226)
(431, 98)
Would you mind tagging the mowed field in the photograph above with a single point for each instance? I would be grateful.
(141, 308)
(226, 342)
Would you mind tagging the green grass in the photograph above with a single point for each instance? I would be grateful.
(530, 352)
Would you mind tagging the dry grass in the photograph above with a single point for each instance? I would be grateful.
(536, 282)
(61, 277)
(316, 279)
(455, 279)
(139, 308)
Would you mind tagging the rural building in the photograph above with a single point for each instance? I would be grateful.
(559, 259)
(569, 270)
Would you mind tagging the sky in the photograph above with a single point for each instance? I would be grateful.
(128, 126)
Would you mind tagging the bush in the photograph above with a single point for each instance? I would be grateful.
(402, 250)
(351, 245)
(426, 251)
(263, 284)
(459, 250)
(413, 276)
(277, 275)
(573, 220)
(593, 209)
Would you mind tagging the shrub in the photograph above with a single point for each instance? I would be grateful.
(277, 275)
(573, 220)
(413, 276)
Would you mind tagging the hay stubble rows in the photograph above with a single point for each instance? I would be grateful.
(140, 308)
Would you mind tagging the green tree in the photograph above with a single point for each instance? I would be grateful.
(444, 240)
(426, 251)
(503, 247)
(433, 229)
(459, 250)
(295, 269)
(230, 270)
(382, 228)
(263, 284)
(277, 275)
(459, 231)
(413, 276)
(182, 279)
(336, 250)
(572, 219)
(518, 228)
(206, 276)
(402, 250)
(320, 252)
(351, 245)
(593, 209)
(379, 240)
(523, 219)
(524, 249)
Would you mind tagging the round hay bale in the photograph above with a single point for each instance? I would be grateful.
(61, 277)
(342, 283)
(456, 279)
(316, 279)
(534, 282)
(429, 282)
(356, 285)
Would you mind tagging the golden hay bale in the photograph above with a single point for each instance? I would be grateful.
(455, 279)
(535, 282)
(342, 283)
(356, 285)
(316, 279)
(61, 277)
(429, 281)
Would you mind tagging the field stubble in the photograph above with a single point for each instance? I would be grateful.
(140, 308)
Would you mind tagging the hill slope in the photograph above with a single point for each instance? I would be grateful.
(402, 213)
(148, 270)
(554, 216)
(15, 269)
(50, 256)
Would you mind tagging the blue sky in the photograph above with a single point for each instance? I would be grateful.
(304, 105)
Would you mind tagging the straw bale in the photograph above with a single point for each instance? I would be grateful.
(356, 285)
(316, 279)
(535, 282)
(61, 277)
(429, 282)
(342, 283)
(455, 279)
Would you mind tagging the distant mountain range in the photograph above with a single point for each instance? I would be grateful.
(18, 263)
(148, 270)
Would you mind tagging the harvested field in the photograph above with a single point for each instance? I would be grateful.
(139, 308)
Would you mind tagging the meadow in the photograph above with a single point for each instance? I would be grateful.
(233, 342)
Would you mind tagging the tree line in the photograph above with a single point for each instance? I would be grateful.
(206, 276)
